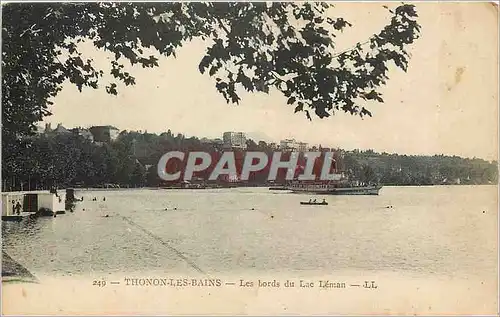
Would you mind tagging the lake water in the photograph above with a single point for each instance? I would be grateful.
(446, 231)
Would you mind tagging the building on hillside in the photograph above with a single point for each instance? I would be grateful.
(273, 146)
(104, 133)
(288, 145)
(84, 133)
(39, 130)
(43, 130)
(293, 146)
(60, 129)
(234, 140)
(302, 146)
(48, 131)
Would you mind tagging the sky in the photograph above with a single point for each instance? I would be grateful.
(446, 103)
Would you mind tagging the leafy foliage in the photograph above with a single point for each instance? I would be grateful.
(70, 160)
(255, 46)
(252, 46)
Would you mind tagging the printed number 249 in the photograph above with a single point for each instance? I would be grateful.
(99, 283)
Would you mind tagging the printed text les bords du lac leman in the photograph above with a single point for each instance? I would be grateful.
(246, 283)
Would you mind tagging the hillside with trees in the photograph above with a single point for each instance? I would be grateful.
(69, 160)
(396, 169)
(286, 47)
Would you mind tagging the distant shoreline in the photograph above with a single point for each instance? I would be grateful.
(223, 187)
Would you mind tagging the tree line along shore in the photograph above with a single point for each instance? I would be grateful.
(68, 160)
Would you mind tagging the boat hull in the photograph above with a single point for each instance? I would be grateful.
(313, 204)
(278, 188)
(366, 190)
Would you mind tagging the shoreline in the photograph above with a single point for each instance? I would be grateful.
(84, 189)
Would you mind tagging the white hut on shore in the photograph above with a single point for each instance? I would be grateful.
(22, 204)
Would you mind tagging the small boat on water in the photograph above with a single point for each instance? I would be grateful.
(278, 188)
(322, 203)
(314, 202)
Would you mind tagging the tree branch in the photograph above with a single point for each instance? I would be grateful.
(354, 47)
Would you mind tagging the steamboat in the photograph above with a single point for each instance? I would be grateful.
(340, 185)
(332, 189)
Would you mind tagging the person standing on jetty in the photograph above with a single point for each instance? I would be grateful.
(18, 208)
(53, 190)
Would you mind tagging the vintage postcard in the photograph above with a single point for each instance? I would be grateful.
(249, 158)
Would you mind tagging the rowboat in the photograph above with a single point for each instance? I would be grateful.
(323, 203)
